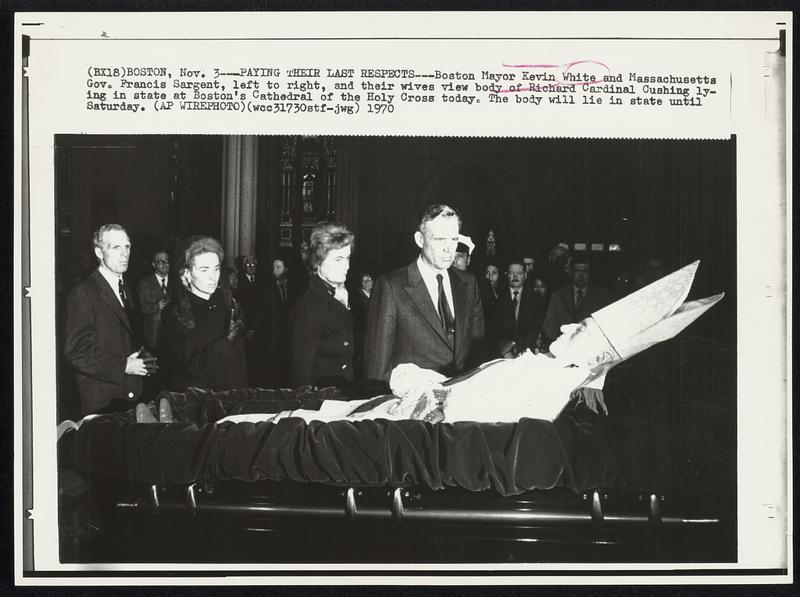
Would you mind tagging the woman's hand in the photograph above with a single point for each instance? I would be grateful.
(236, 329)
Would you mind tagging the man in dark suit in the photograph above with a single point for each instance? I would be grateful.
(491, 290)
(251, 294)
(281, 295)
(101, 341)
(250, 291)
(153, 294)
(359, 306)
(574, 302)
(424, 313)
(521, 311)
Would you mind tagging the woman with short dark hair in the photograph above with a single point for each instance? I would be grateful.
(320, 323)
(203, 325)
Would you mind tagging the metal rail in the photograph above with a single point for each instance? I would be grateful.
(395, 511)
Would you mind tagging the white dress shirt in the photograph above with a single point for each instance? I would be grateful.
(511, 292)
(113, 281)
(432, 284)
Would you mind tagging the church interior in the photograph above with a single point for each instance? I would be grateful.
(621, 200)
(671, 199)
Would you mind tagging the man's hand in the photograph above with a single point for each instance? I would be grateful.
(136, 365)
(162, 303)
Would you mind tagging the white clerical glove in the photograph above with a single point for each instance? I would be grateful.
(410, 381)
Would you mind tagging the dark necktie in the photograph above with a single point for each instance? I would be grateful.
(444, 309)
(282, 291)
(578, 300)
(515, 304)
(164, 286)
(123, 295)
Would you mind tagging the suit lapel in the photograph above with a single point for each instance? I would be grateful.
(459, 290)
(522, 320)
(105, 292)
(565, 296)
(418, 292)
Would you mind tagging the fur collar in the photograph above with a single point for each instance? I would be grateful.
(182, 306)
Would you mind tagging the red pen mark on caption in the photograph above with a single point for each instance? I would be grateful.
(548, 81)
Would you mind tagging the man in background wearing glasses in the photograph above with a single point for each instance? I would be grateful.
(153, 292)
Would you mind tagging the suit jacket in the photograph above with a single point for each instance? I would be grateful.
(525, 329)
(277, 311)
(251, 297)
(149, 294)
(491, 307)
(560, 309)
(98, 339)
(403, 325)
(359, 306)
(321, 337)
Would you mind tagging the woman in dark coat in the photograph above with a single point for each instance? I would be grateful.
(321, 323)
(203, 325)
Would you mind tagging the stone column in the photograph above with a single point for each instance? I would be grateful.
(347, 162)
(239, 186)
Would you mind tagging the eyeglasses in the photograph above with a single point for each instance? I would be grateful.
(162, 261)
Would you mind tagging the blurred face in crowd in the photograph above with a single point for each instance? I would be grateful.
(233, 279)
(557, 254)
(366, 283)
(203, 276)
(528, 263)
(114, 251)
(540, 287)
(492, 274)
(279, 269)
(438, 240)
(250, 263)
(460, 261)
(580, 274)
(161, 263)
(333, 268)
(582, 344)
(516, 276)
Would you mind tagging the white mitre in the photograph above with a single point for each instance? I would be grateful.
(652, 314)
(539, 386)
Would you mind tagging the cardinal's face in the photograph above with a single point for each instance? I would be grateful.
(582, 344)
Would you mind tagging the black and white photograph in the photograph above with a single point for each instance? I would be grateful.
(377, 297)
(288, 408)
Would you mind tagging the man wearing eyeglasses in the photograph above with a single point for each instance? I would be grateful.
(153, 292)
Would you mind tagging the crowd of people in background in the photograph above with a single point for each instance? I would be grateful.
(289, 321)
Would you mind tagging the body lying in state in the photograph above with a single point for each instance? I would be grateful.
(531, 385)
(535, 385)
